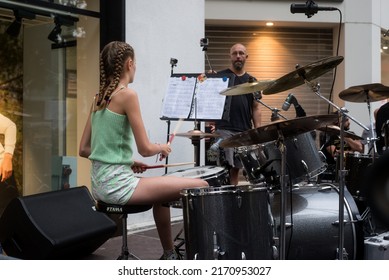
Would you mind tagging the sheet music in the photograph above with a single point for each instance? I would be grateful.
(210, 104)
(194, 98)
(178, 99)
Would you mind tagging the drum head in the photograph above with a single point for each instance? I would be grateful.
(198, 172)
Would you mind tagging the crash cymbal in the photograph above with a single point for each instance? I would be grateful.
(364, 93)
(195, 134)
(289, 128)
(298, 76)
(335, 130)
(246, 88)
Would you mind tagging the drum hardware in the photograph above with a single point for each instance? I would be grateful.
(275, 112)
(216, 248)
(343, 113)
(196, 135)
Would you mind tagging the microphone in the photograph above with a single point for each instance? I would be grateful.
(215, 146)
(309, 8)
(288, 102)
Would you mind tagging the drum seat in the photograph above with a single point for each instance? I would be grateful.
(122, 210)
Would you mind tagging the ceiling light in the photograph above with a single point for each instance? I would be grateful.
(14, 28)
(269, 23)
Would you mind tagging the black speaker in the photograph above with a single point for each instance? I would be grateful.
(54, 225)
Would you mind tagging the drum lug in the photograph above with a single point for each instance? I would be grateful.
(216, 248)
(239, 198)
(336, 223)
(243, 256)
(275, 253)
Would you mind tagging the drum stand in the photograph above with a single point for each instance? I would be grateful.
(373, 133)
(282, 148)
(341, 254)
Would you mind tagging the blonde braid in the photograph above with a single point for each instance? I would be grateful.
(112, 60)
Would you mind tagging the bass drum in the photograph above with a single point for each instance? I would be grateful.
(228, 223)
(314, 229)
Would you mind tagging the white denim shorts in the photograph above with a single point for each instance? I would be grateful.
(112, 183)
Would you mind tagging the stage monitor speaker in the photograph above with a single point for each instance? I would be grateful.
(54, 225)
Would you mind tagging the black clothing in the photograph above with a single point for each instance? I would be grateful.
(239, 107)
(382, 117)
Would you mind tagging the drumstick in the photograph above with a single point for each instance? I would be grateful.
(178, 125)
(168, 165)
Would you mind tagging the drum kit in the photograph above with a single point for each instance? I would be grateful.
(266, 219)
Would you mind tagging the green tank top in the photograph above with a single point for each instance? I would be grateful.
(112, 138)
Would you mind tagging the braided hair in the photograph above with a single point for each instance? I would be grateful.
(112, 59)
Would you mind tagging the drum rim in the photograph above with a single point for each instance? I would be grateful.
(247, 188)
(221, 171)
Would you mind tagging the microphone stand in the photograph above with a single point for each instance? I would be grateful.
(341, 253)
(275, 111)
(173, 63)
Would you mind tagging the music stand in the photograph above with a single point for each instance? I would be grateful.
(195, 97)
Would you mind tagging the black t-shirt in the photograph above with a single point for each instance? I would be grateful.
(239, 107)
(382, 117)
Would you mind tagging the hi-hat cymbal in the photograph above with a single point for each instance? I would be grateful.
(289, 128)
(364, 93)
(298, 76)
(335, 130)
(195, 134)
(246, 88)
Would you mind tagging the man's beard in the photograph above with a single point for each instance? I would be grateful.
(238, 65)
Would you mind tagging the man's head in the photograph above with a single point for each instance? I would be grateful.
(238, 55)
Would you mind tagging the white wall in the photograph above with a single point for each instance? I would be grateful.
(160, 30)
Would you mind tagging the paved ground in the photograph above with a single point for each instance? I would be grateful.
(144, 244)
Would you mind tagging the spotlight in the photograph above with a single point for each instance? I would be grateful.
(14, 28)
(16, 25)
(55, 34)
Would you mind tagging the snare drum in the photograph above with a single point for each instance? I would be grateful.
(214, 175)
(313, 233)
(228, 223)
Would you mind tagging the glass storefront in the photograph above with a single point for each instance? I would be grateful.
(43, 48)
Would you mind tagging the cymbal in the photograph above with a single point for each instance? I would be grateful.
(364, 93)
(197, 134)
(298, 76)
(289, 128)
(246, 88)
(335, 130)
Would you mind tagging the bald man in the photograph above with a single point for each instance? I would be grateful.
(244, 111)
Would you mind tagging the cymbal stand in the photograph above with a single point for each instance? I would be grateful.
(196, 139)
(341, 253)
(282, 148)
(373, 132)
